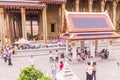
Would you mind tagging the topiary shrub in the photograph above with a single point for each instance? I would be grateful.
(45, 78)
(30, 73)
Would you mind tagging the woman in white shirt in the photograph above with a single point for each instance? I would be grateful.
(31, 61)
(89, 72)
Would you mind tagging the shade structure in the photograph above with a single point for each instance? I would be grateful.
(89, 26)
(22, 41)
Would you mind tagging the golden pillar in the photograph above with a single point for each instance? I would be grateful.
(63, 15)
(39, 27)
(90, 3)
(20, 29)
(44, 24)
(102, 5)
(114, 12)
(31, 25)
(2, 25)
(23, 15)
(17, 28)
(77, 5)
(13, 31)
(8, 28)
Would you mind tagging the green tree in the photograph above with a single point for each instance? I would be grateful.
(30, 73)
(45, 78)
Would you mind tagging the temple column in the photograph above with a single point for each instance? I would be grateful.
(2, 25)
(77, 5)
(5, 29)
(74, 53)
(102, 5)
(23, 15)
(17, 28)
(114, 12)
(39, 27)
(8, 27)
(12, 30)
(90, 3)
(92, 47)
(20, 28)
(63, 16)
(44, 17)
(31, 27)
(67, 47)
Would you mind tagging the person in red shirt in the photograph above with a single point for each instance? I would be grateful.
(61, 65)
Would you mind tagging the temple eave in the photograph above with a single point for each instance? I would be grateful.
(9, 5)
(51, 2)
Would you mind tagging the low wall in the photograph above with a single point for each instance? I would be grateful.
(41, 51)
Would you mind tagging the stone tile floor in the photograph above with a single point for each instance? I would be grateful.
(106, 69)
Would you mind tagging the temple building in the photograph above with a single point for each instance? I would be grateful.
(44, 19)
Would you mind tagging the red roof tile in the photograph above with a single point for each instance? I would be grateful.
(89, 22)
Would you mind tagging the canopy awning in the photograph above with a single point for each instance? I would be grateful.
(22, 41)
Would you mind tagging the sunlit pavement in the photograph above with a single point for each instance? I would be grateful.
(106, 69)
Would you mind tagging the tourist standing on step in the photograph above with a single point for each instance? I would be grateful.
(50, 56)
(94, 70)
(5, 55)
(89, 71)
(61, 65)
(9, 55)
(31, 61)
(53, 69)
(57, 56)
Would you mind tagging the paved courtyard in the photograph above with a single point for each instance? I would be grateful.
(106, 69)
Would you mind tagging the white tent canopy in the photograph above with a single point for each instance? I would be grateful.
(22, 41)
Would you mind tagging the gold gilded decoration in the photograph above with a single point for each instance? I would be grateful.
(68, 28)
(93, 43)
(73, 44)
(102, 40)
(9, 41)
(112, 41)
(77, 41)
(64, 25)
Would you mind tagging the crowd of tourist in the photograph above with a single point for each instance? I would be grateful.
(7, 53)
(38, 46)
(84, 54)
(54, 57)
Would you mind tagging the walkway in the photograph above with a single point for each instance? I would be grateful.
(106, 69)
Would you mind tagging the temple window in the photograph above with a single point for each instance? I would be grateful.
(52, 27)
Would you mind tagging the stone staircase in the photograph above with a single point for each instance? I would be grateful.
(67, 73)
